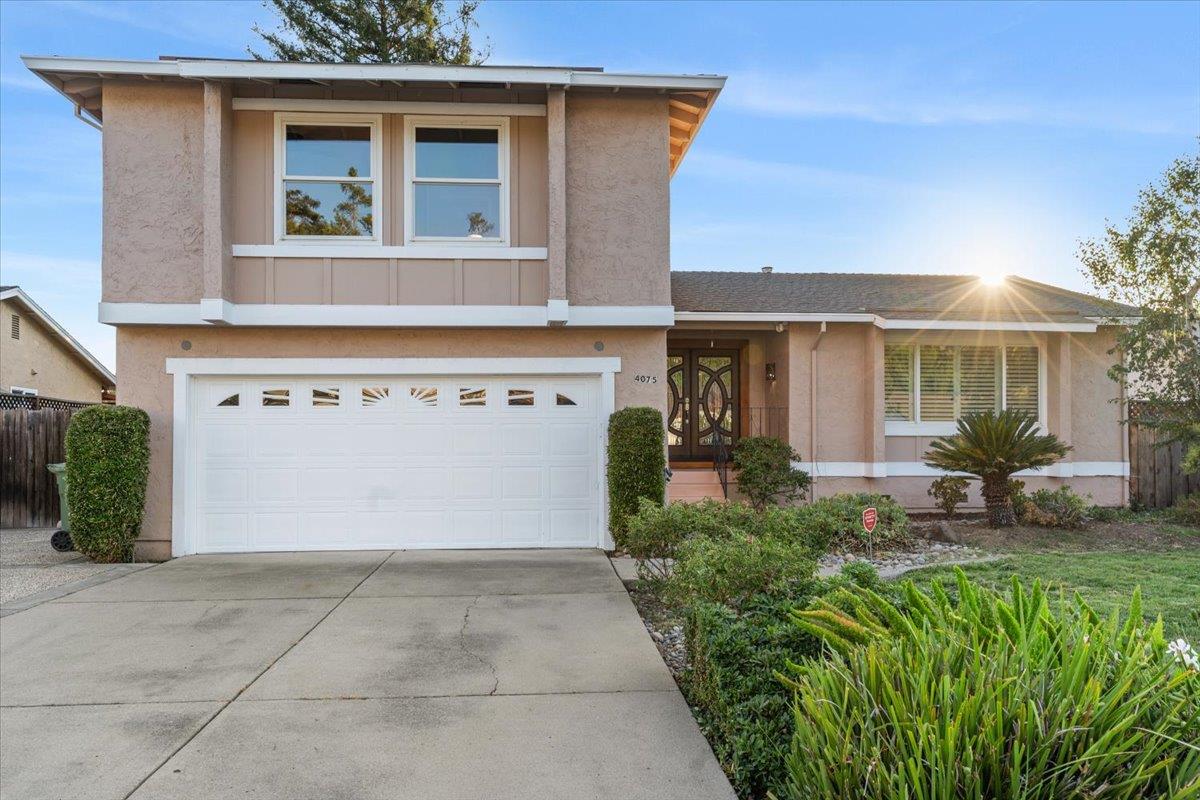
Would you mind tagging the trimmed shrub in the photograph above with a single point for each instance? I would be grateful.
(1013, 698)
(836, 522)
(636, 463)
(1061, 508)
(653, 535)
(108, 461)
(765, 475)
(733, 682)
(732, 568)
(948, 493)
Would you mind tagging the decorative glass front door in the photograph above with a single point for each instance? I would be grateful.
(702, 394)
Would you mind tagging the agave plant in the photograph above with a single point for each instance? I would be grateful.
(992, 447)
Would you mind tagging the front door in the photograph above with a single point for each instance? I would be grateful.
(702, 394)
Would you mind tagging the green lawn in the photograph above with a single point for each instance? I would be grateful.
(1170, 581)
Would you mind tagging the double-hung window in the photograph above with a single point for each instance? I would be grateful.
(927, 387)
(457, 179)
(327, 168)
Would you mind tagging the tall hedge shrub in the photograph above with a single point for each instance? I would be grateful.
(636, 462)
(108, 459)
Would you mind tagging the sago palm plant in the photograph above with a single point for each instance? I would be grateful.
(992, 447)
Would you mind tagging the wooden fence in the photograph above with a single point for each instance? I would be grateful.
(1156, 478)
(29, 440)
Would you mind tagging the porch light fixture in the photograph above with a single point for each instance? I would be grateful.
(770, 370)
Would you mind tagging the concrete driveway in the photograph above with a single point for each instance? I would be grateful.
(434, 674)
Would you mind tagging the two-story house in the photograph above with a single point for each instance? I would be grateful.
(390, 306)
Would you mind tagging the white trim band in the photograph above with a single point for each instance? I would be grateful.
(372, 250)
(918, 469)
(393, 366)
(388, 107)
(210, 311)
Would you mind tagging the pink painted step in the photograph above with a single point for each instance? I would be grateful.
(693, 485)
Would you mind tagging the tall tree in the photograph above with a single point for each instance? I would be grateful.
(1155, 264)
(372, 31)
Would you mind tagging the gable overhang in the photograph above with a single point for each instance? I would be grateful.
(80, 81)
(17, 296)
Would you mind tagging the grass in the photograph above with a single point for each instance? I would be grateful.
(1170, 581)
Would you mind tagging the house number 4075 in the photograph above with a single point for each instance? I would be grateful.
(646, 378)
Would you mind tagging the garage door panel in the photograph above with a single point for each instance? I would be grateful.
(270, 439)
(332, 463)
(276, 485)
(570, 439)
(570, 483)
(276, 530)
(521, 483)
(225, 485)
(521, 528)
(329, 484)
(524, 439)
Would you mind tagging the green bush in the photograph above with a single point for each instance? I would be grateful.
(765, 475)
(635, 464)
(1017, 496)
(1013, 698)
(1187, 509)
(733, 682)
(653, 535)
(108, 459)
(1060, 508)
(948, 493)
(733, 568)
(836, 521)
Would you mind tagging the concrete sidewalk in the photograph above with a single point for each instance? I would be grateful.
(435, 674)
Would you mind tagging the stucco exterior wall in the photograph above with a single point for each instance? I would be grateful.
(618, 200)
(153, 156)
(142, 354)
(850, 428)
(59, 372)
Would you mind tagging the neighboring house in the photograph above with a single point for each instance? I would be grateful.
(393, 306)
(39, 357)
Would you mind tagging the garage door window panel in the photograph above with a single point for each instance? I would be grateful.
(276, 397)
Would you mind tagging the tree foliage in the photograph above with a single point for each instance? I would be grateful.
(1154, 264)
(372, 31)
(992, 447)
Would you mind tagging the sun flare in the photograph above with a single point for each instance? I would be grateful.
(993, 278)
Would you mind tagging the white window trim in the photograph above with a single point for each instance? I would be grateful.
(499, 124)
(948, 428)
(372, 121)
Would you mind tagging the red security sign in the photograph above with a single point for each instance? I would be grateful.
(870, 517)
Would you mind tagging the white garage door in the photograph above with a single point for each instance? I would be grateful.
(330, 463)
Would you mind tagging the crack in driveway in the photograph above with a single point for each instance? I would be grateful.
(462, 645)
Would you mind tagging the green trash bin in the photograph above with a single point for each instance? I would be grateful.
(60, 540)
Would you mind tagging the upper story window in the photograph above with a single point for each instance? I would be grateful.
(928, 387)
(327, 166)
(457, 179)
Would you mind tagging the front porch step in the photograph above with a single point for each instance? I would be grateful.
(694, 485)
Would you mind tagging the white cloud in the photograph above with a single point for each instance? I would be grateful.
(898, 92)
(202, 23)
(25, 82)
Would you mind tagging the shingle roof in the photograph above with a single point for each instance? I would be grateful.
(896, 296)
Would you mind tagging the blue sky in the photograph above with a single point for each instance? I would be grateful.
(868, 137)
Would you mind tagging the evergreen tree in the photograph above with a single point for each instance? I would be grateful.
(372, 31)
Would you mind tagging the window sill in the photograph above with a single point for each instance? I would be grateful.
(893, 428)
(310, 249)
